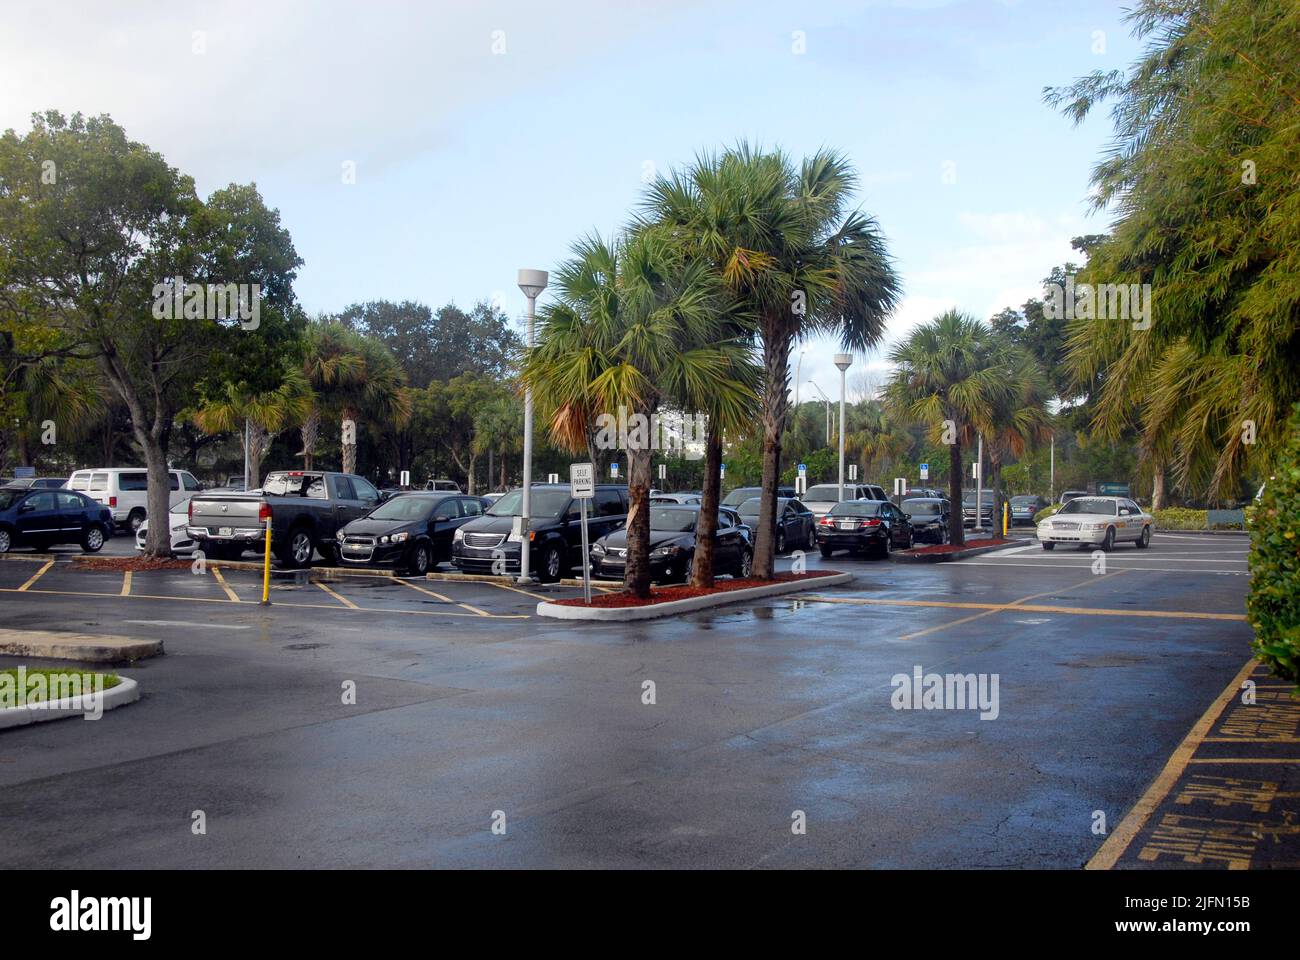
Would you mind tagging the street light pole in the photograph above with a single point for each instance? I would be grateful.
(1051, 490)
(843, 361)
(532, 283)
(979, 485)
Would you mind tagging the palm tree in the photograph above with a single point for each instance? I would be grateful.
(257, 416)
(873, 438)
(356, 376)
(499, 429)
(634, 326)
(1018, 418)
(793, 258)
(949, 374)
(54, 389)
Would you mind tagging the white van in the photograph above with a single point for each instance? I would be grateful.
(124, 490)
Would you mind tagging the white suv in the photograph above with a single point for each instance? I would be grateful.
(124, 490)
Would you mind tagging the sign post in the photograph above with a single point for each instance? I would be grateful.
(405, 479)
(900, 490)
(582, 487)
(925, 471)
(613, 471)
(801, 481)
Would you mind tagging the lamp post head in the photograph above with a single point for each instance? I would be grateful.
(532, 282)
(843, 361)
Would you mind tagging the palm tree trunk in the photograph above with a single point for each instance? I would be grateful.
(349, 449)
(258, 445)
(1157, 485)
(776, 364)
(956, 522)
(707, 525)
(310, 432)
(636, 576)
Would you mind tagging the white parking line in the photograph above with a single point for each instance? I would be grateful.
(1057, 565)
(190, 623)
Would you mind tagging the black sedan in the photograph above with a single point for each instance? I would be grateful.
(859, 526)
(411, 531)
(42, 518)
(794, 522)
(672, 546)
(929, 517)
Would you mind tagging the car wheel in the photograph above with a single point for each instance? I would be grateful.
(911, 539)
(6, 541)
(746, 565)
(297, 551)
(826, 551)
(1108, 542)
(92, 541)
(1143, 541)
(689, 570)
(552, 566)
(780, 540)
(1048, 545)
(885, 546)
(811, 540)
(418, 563)
(134, 520)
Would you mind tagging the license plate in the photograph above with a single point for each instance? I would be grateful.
(847, 524)
(224, 531)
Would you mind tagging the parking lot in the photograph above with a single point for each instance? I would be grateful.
(468, 706)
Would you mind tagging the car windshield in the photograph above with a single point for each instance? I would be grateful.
(405, 508)
(547, 503)
(739, 495)
(673, 520)
(826, 491)
(921, 508)
(856, 508)
(1089, 505)
(9, 496)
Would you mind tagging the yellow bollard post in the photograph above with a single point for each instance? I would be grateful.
(1006, 507)
(266, 566)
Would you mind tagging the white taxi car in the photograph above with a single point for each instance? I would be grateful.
(1099, 522)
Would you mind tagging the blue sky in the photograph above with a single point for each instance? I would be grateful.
(488, 136)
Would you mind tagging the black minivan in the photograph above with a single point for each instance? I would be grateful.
(489, 544)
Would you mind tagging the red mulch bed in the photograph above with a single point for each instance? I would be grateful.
(953, 548)
(682, 592)
(133, 564)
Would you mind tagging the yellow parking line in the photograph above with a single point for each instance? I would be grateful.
(1020, 605)
(126, 584)
(1247, 760)
(463, 606)
(1136, 819)
(341, 599)
(234, 597)
(313, 606)
(1013, 605)
(36, 576)
(535, 596)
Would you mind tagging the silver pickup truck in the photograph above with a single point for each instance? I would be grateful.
(306, 508)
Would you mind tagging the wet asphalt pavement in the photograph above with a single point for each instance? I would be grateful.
(471, 711)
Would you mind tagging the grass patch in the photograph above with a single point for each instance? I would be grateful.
(51, 680)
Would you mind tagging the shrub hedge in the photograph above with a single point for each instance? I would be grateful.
(1273, 604)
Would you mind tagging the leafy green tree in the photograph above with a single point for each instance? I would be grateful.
(1273, 606)
(793, 257)
(1202, 175)
(256, 417)
(93, 225)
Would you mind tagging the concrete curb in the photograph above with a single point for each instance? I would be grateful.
(492, 578)
(85, 647)
(128, 691)
(955, 555)
(624, 614)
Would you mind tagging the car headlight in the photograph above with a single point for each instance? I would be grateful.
(458, 536)
(667, 551)
(598, 549)
(399, 538)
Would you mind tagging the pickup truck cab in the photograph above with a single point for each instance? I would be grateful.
(307, 508)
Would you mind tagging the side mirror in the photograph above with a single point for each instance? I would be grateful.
(27, 508)
(441, 519)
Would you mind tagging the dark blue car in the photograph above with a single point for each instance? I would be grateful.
(42, 518)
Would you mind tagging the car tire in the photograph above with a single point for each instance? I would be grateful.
(6, 540)
(886, 545)
(1143, 541)
(92, 541)
(551, 567)
(1048, 545)
(1108, 541)
(826, 551)
(134, 519)
(417, 564)
(746, 569)
(296, 551)
(780, 540)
